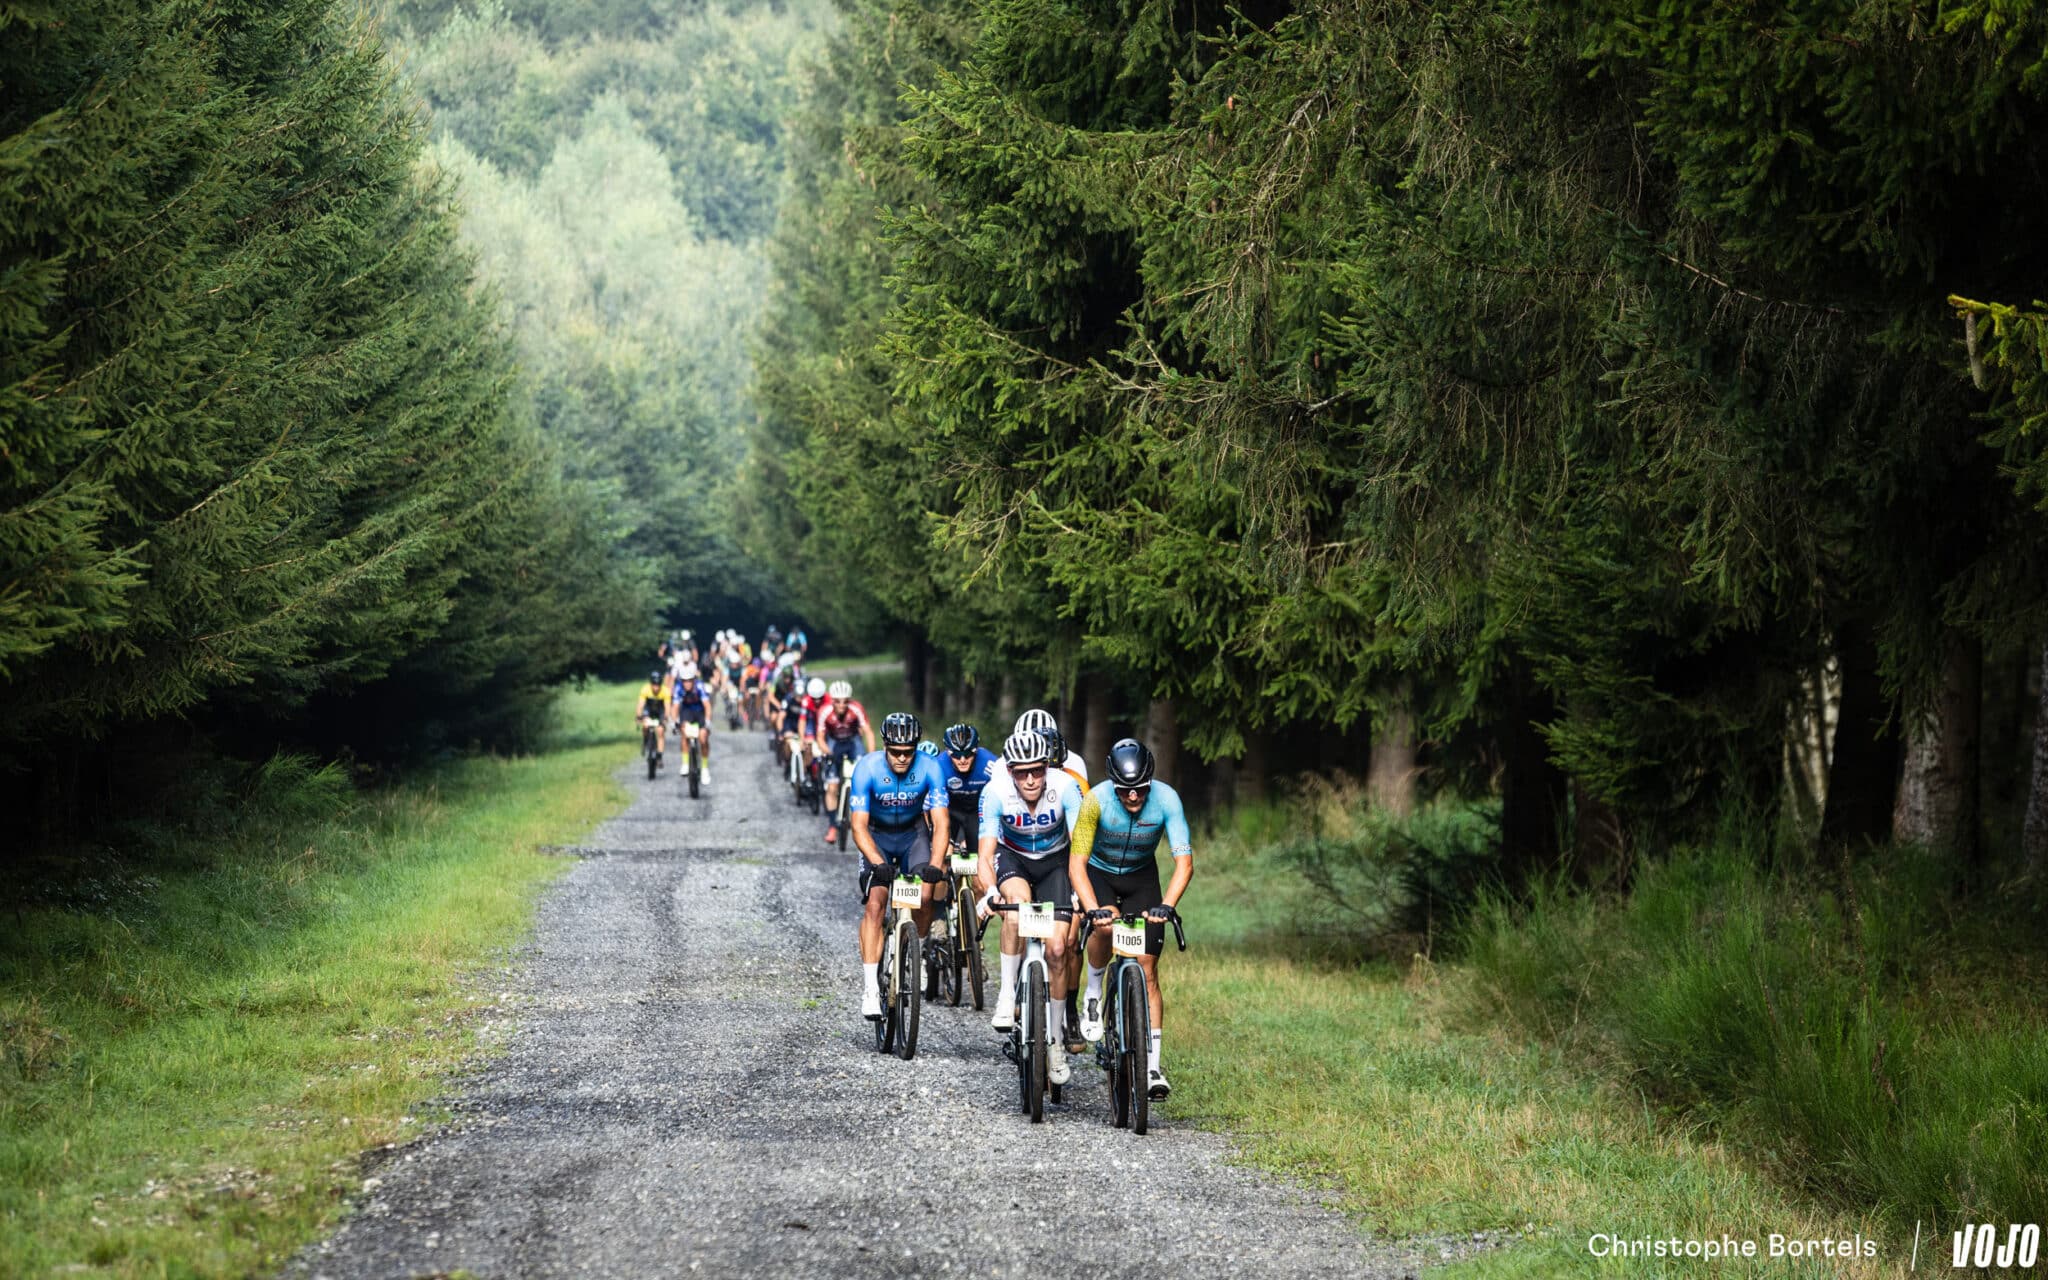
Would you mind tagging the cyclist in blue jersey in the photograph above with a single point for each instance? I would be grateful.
(1028, 816)
(689, 702)
(893, 792)
(1117, 874)
(967, 767)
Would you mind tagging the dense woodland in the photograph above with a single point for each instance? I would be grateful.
(365, 374)
(1634, 412)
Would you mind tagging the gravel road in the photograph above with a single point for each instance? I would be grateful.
(690, 1088)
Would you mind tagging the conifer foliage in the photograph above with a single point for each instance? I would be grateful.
(257, 441)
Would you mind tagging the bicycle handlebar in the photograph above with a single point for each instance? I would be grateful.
(1180, 936)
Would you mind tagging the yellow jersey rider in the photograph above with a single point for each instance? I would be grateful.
(650, 710)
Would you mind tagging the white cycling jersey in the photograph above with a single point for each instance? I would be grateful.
(1031, 830)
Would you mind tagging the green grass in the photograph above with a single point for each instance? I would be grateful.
(189, 1075)
(1385, 1085)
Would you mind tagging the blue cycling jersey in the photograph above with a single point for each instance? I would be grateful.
(895, 802)
(963, 790)
(1126, 841)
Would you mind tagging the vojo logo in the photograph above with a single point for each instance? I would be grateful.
(1979, 1245)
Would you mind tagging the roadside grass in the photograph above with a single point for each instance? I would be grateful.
(1385, 1086)
(829, 667)
(188, 1077)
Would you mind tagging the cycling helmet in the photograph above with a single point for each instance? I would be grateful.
(962, 738)
(1130, 764)
(688, 671)
(786, 660)
(685, 637)
(842, 689)
(1056, 742)
(1027, 746)
(816, 687)
(1037, 720)
(925, 746)
(900, 729)
(654, 676)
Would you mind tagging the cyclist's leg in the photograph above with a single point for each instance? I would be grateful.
(915, 858)
(874, 891)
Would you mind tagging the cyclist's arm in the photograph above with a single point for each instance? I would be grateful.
(1183, 871)
(1183, 848)
(935, 809)
(1082, 844)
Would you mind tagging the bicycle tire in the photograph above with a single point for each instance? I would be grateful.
(694, 764)
(885, 1026)
(1034, 1048)
(1137, 1045)
(957, 913)
(976, 965)
(647, 749)
(909, 991)
(1114, 1061)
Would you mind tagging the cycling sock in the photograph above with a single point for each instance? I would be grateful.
(1095, 977)
(874, 975)
(1155, 1050)
(1052, 1011)
(1006, 995)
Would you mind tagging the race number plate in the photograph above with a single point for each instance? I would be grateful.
(966, 864)
(1036, 920)
(1127, 939)
(906, 893)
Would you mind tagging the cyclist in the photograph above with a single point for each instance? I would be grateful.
(1039, 720)
(798, 643)
(1030, 814)
(894, 791)
(771, 640)
(691, 699)
(1118, 875)
(754, 682)
(650, 709)
(841, 727)
(967, 767)
(789, 698)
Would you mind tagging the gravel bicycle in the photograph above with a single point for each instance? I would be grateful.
(1031, 1043)
(954, 961)
(902, 992)
(692, 733)
(1124, 1051)
(650, 746)
(840, 812)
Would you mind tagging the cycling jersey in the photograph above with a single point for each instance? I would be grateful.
(1033, 831)
(896, 803)
(691, 693)
(963, 790)
(812, 706)
(1076, 768)
(842, 721)
(653, 700)
(1124, 841)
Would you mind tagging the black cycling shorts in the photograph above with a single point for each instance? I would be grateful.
(1133, 894)
(905, 851)
(1046, 876)
(842, 749)
(689, 713)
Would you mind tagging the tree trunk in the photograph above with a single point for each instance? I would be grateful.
(1937, 796)
(1864, 771)
(1095, 725)
(1809, 737)
(1532, 789)
(1006, 701)
(915, 655)
(1162, 732)
(1222, 783)
(1391, 772)
(1600, 846)
(1252, 771)
(2034, 833)
(932, 707)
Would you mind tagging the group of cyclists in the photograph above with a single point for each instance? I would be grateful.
(1040, 831)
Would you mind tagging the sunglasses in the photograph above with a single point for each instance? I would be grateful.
(961, 755)
(1025, 775)
(893, 752)
(1135, 793)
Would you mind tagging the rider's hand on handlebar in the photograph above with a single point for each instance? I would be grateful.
(930, 874)
(1102, 915)
(1161, 913)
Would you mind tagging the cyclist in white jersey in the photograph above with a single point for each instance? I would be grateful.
(1028, 814)
(1039, 720)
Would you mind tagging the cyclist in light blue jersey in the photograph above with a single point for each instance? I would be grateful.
(1116, 873)
(891, 795)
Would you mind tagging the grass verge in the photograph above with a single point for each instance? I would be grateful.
(1388, 1088)
(189, 1073)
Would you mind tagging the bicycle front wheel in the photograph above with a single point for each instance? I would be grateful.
(694, 762)
(885, 1026)
(1136, 1049)
(1034, 1046)
(909, 991)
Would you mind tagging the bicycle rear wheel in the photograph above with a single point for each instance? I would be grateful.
(1136, 1049)
(885, 1026)
(647, 749)
(909, 990)
(977, 969)
(694, 762)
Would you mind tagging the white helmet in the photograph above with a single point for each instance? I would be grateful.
(1036, 720)
(816, 688)
(786, 660)
(688, 672)
(842, 689)
(1027, 746)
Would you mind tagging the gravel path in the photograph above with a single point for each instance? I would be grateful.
(691, 1089)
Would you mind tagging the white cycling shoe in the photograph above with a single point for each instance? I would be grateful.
(871, 1003)
(1091, 1019)
(939, 931)
(1057, 1070)
(1156, 1086)
(1004, 1019)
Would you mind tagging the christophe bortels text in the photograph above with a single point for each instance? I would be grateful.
(1602, 1245)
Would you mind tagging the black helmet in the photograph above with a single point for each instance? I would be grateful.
(962, 738)
(901, 729)
(654, 676)
(1056, 742)
(1130, 764)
